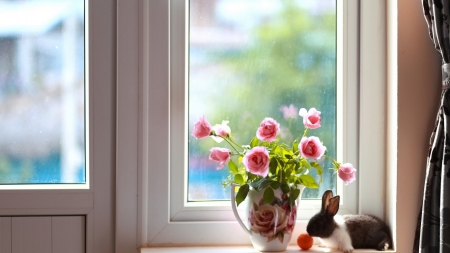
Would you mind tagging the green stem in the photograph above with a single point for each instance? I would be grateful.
(282, 170)
(336, 164)
(305, 132)
(231, 144)
(281, 173)
(234, 143)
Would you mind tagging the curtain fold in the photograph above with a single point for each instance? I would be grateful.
(433, 226)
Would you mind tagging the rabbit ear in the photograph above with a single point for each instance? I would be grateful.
(333, 206)
(327, 195)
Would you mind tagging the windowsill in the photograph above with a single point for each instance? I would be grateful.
(241, 249)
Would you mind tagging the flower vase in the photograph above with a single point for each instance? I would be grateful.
(269, 225)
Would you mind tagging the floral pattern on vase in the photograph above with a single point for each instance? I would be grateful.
(273, 220)
(270, 225)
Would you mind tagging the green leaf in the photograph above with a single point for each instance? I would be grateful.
(239, 179)
(273, 165)
(242, 193)
(281, 175)
(317, 166)
(291, 162)
(293, 196)
(254, 142)
(295, 193)
(293, 179)
(319, 170)
(299, 170)
(295, 146)
(285, 187)
(288, 171)
(296, 165)
(277, 150)
(240, 159)
(308, 181)
(269, 195)
(233, 167)
(305, 163)
(275, 185)
(288, 156)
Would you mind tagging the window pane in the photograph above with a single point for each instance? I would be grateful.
(250, 59)
(42, 112)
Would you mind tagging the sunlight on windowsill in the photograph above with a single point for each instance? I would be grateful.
(241, 249)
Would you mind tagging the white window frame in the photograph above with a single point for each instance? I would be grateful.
(397, 78)
(70, 186)
(163, 220)
(96, 202)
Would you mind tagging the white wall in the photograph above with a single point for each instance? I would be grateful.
(419, 89)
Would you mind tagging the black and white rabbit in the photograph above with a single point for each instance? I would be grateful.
(348, 231)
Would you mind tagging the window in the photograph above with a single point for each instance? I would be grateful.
(42, 93)
(166, 213)
(249, 60)
(95, 205)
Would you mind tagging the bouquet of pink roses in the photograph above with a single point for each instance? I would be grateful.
(266, 162)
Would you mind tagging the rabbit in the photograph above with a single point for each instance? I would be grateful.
(347, 232)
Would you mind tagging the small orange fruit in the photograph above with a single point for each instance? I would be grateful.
(305, 241)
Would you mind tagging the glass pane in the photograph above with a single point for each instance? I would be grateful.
(253, 59)
(42, 112)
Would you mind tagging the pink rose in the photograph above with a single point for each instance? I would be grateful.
(268, 130)
(289, 112)
(221, 155)
(257, 160)
(347, 173)
(221, 130)
(311, 118)
(202, 128)
(268, 220)
(311, 147)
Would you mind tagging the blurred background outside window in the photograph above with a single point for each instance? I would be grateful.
(253, 59)
(42, 98)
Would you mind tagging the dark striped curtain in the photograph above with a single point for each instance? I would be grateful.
(433, 228)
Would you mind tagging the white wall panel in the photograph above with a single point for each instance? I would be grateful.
(43, 234)
(31, 234)
(5, 235)
(68, 234)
